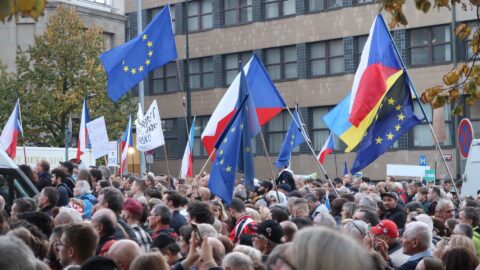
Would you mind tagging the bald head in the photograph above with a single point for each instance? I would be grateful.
(63, 218)
(105, 222)
(289, 230)
(204, 193)
(123, 252)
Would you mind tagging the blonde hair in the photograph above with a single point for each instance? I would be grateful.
(151, 261)
(251, 252)
(326, 249)
(462, 241)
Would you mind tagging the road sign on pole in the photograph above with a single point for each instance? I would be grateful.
(464, 137)
(422, 160)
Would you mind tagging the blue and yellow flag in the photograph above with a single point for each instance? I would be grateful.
(128, 64)
(337, 119)
(395, 116)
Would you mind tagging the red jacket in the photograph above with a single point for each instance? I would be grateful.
(241, 227)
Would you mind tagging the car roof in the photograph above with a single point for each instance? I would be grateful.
(6, 162)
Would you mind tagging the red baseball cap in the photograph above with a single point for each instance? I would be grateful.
(386, 227)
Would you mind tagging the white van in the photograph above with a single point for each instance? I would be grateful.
(13, 182)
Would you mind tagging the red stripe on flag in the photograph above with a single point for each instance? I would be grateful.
(371, 88)
(12, 149)
(324, 154)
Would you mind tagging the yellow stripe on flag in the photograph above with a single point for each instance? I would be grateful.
(354, 135)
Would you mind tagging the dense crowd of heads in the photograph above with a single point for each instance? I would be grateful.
(91, 219)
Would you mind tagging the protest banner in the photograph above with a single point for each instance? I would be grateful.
(113, 154)
(149, 129)
(97, 133)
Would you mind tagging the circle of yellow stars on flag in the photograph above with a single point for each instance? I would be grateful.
(139, 69)
(400, 117)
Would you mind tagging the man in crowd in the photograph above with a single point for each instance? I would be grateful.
(123, 253)
(471, 216)
(241, 229)
(444, 210)
(138, 190)
(392, 211)
(173, 201)
(387, 231)
(416, 242)
(132, 213)
(68, 167)
(105, 222)
(77, 243)
(48, 199)
(422, 197)
(159, 221)
(315, 205)
(268, 235)
(112, 199)
(43, 174)
(59, 177)
(285, 176)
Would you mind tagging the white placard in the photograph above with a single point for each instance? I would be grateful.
(149, 129)
(97, 133)
(406, 170)
(113, 154)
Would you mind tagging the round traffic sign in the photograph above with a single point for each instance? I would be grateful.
(464, 137)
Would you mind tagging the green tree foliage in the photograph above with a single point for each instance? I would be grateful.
(54, 75)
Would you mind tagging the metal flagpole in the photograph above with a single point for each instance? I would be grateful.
(307, 140)
(268, 158)
(335, 158)
(409, 81)
(141, 93)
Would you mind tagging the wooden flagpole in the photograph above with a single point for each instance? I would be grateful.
(166, 158)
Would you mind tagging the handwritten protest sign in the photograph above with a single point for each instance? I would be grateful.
(97, 133)
(113, 154)
(149, 129)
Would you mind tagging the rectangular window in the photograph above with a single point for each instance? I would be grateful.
(171, 140)
(281, 63)
(359, 44)
(422, 137)
(326, 58)
(319, 5)
(237, 11)
(279, 8)
(201, 73)
(200, 124)
(199, 15)
(474, 115)
(430, 45)
(231, 65)
(155, 11)
(276, 131)
(164, 79)
(320, 131)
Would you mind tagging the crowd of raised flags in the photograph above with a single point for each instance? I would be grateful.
(370, 119)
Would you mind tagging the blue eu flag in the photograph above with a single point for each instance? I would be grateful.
(294, 137)
(234, 151)
(394, 117)
(128, 64)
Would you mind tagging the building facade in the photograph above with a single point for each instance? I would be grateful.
(311, 49)
(108, 14)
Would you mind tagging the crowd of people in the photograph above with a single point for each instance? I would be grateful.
(91, 219)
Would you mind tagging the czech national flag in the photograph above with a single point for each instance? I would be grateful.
(127, 142)
(82, 144)
(8, 139)
(379, 61)
(266, 99)
(187, 160)
(327, 148)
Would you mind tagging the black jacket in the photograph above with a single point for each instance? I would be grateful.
(398, 216)
(287, 178)
(44, 180)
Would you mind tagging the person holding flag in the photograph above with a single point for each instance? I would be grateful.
(234, 150)
(127, 142)
(8, 138)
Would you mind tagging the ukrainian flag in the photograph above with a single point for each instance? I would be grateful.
(337, 120)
